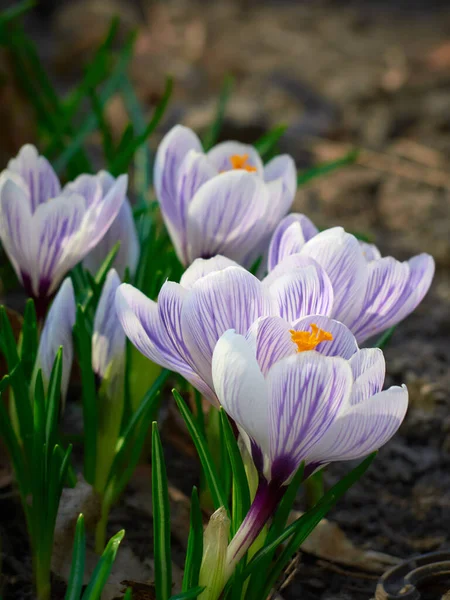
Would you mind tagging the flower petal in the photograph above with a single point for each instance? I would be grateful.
(226, 216)
(271, 339)
(289, 238)
(229, 299)
(364, 428)
(108, 339)
(343, 343)
(306, 393)
(57, 332)
(302, 290)
(203, 266)
(370, 251)
(240, 386)
(220, 156)
(340, 254)
(283, 167)
(394, 290)
(38, 175)
(171, 153)
(369, 370)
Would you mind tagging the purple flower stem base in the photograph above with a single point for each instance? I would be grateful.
(267, 498)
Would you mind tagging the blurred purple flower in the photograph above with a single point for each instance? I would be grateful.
(301, 394)
(371, 293)
(224, 201)
(180, 331)
(123, 230)
(46, 230)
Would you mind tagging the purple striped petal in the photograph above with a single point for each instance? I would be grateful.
(16, 231)
(226, 216)
(340, 254)
(289, 238)
(87, 186)
(108, 339)
(370, 251)
(57, 332)
(171, 153)
(271, 339)
(363, 428)
(343, 343)
(38, 175)
(228, 299)
(306, 393)
(283, 167)
(394, 290)
(369, 370)
(221, 154)
(203, 266)
(241, 388)
(302, 290)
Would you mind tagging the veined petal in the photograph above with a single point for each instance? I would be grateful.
(37, 173)
(108, 340)
(16, 231)
(171, 153)
(240, 387)
(302, 291)
(306, 393)
(343, 343)
(229, 299)
(369, 370)
(57, 332)
(394, 290)
(226, 216)
(283, 167)
(340, 254)
(203, 266)
(289, 238)
(220, 156)
(271, 340)
(87, 186)
(364, 428)
(370, 251)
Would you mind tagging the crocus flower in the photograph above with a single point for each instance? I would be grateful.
(304, 394)
(46, 230)
(371, 293)
(224, 201)
(123, 230)
(57, 332)
(180, 331)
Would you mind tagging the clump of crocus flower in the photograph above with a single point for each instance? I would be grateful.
(307, 395)
(46, 229)
(224, 201)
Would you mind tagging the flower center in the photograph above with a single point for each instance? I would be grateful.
(239, 161)
(308, 340)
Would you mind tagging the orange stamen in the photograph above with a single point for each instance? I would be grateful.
(239, 161)
(306, 340)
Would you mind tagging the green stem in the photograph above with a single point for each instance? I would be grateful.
(42, 575)
(100, 529)
(314, 488)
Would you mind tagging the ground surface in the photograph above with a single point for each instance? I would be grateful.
(340, 74)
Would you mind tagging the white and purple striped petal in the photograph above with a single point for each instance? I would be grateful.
(289, 237)
(271, 340)
(203, 266)
(220, 156)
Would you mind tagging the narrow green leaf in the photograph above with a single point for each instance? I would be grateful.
(75, 585)
(103, 568)
(103, 126)
(53, 398)
(240, 491)
(194, 550)
(211, 475)
(89, 394)
(29, 340)
(128, 594)
(327, 167)
(161, 520)
(212, 135)
(189, 594)
(267, 142)
(92, 294)
(385, 337)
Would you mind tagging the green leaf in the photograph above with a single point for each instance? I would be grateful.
(13, 12)
(53, 397)
(89, 394)
(161, 520)
(29, 341)
(327, 167)
(75, 585)
(189, 594)
(267, 142)
(240, 491)
(194, 551)
(385, 337)
(211, 475)
(92, 295)
(103, 568)
(103, 126)
(212, 135)
(121, 163)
